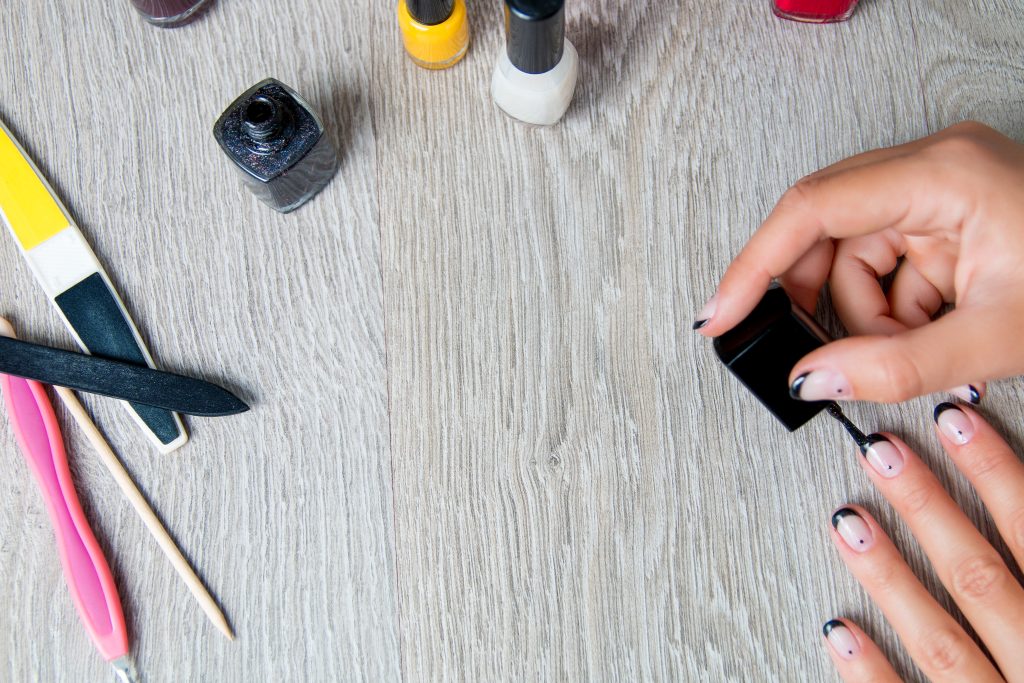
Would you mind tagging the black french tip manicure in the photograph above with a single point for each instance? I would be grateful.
(839, 514)
(794, 388)
(831, 624)
(870, 441)
(975, 394)
(941, 408)
(701, 323)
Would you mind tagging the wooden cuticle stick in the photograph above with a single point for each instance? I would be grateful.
(145, 512)
(138, 501)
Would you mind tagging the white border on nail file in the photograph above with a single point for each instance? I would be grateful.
(75, 254)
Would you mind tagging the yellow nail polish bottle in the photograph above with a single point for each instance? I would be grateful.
(435, 32)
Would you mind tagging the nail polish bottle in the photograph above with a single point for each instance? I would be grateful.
(535, 76)
(278, 144)
(763, 349)
(815, 11)
(171, 13)
(435, 32)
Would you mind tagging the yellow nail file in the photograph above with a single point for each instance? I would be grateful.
(66, 268)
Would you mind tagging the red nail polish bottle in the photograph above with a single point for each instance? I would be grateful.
(815, 11)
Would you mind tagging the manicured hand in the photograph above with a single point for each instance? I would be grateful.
(946, 213)
(973, 572)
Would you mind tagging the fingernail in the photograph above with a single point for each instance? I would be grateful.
(883, 456)
(841, 639)
(954, 423)
(968, 393)
(853, 529)
(704, 317)
(821, 385)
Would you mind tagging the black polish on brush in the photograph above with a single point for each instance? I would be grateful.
(862, 440)
(941, 408)
(840, 514)
(872, 439)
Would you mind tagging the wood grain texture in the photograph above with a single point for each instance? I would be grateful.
(484, 444)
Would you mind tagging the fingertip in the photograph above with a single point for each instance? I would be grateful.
(970, 393)
(842, 639)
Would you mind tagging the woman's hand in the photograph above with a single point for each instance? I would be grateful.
(947, 214)
(975, 575)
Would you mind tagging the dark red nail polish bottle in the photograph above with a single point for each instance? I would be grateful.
(171, 13)
(815, 11)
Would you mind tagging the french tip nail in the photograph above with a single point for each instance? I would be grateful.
(794, 388)
(839, 514)
(975, 394)
(869, 441)
(829, 625)
(701, 323)
(941, 408)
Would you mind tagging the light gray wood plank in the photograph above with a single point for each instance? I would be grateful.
(286, 510)
(581, 492)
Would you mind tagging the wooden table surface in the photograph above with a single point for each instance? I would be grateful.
(484, 444)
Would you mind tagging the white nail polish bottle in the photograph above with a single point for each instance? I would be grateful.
(535, 76)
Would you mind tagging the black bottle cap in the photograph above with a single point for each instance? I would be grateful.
(534, 34)
(430, 12)
(762, 350)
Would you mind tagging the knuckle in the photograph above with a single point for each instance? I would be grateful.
(944, 650)
(985, 464)
(883, 577)
(964, 143)
(979, 577)
(918, 499)
(1016, 535)
(802, 194)
(970, 129)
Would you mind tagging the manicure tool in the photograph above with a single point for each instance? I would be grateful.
(85, 568)
(71, 276)
(138, 501)
(139, 384)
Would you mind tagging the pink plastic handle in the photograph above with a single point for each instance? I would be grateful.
(85, 568)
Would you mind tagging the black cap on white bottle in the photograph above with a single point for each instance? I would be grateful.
(535, 34)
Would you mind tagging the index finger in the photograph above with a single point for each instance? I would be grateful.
(897, 192)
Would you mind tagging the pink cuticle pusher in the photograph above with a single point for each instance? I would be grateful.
(85, 568)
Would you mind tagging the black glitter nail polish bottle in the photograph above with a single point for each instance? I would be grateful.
(762, 350)
(277, 142)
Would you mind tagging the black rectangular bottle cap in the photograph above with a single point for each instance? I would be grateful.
(762, 350)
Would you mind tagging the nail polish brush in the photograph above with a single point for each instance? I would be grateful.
(762, 350)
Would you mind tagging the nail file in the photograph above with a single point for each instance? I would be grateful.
(71, 276)
(134, 383)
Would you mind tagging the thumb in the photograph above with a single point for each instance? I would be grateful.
(964, 346)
